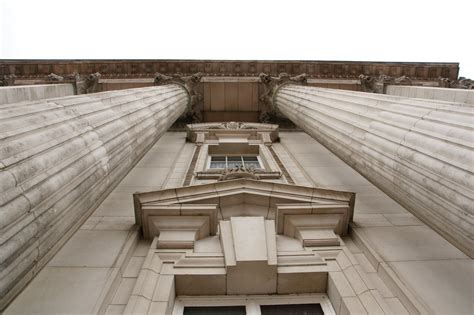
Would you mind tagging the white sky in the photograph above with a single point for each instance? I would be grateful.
(361, 30)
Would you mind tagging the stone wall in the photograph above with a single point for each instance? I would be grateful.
(15, 94)
(404, 259)
(60, 158)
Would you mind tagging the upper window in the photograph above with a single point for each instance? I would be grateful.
(301, 304)
(286, 309)
(231, 161)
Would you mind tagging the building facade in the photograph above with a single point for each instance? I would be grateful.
(235, 187)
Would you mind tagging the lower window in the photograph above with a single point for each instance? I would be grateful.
(214, 310)
(310, 304)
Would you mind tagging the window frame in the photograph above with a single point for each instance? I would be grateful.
(252, 302)
(209, 160)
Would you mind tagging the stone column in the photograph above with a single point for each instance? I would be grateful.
(419, 152)
(59, 158)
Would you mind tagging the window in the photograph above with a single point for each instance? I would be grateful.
(231, 161)
(298, 304)
(214, 310)
(285, 309)
(292, 309)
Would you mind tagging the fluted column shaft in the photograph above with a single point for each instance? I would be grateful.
(59, 158)
(420, 152)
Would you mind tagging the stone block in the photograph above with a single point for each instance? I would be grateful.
(352, 306)
(61, 290)
(294, 283)
(133, 267)
(201, 284)
(124, 291)
(90, 249)
(410, 243)
(446, 286)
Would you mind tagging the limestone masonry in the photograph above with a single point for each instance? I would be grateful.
(236, 187)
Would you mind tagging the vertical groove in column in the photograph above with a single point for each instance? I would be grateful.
(419, 152)
(60, 157)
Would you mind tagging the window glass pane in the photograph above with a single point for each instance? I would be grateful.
(251, 161)
(250, 158)
(214, 310)
(295, 309)
(233, 161)
(217, 162)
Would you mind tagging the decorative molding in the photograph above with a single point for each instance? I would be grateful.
(123, 69)
(374, 84)
(83, 85)
(205, 199)
(272, 84)
(217, 174)
(200, 133)
(461, 83)
(89, 84)
(7, 80)
(192, 165)
(238, 172)
(280, 164)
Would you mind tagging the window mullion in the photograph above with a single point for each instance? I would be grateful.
(252, 308)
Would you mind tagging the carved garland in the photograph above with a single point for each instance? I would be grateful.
(238, 172)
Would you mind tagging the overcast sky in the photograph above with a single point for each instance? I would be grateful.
(415, 30)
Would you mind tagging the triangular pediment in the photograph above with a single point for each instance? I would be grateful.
(283, 203)
(245, 220)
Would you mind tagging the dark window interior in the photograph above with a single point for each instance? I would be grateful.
(292, 309)
(214, 310)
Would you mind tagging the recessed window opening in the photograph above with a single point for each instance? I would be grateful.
(232, 161)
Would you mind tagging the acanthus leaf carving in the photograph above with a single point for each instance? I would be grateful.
(7, 80)
(189, 83)
(237, 172)
(461, 83)
(374, 84)
(271, 86)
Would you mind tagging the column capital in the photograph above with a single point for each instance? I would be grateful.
(461, 83)
(189, 83)
(373, 84)
(271, 85)
(7, 80)
(83, 84)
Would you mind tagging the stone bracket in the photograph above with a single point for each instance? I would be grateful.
(178, 226)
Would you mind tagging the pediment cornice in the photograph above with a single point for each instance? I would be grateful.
(247, 197)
